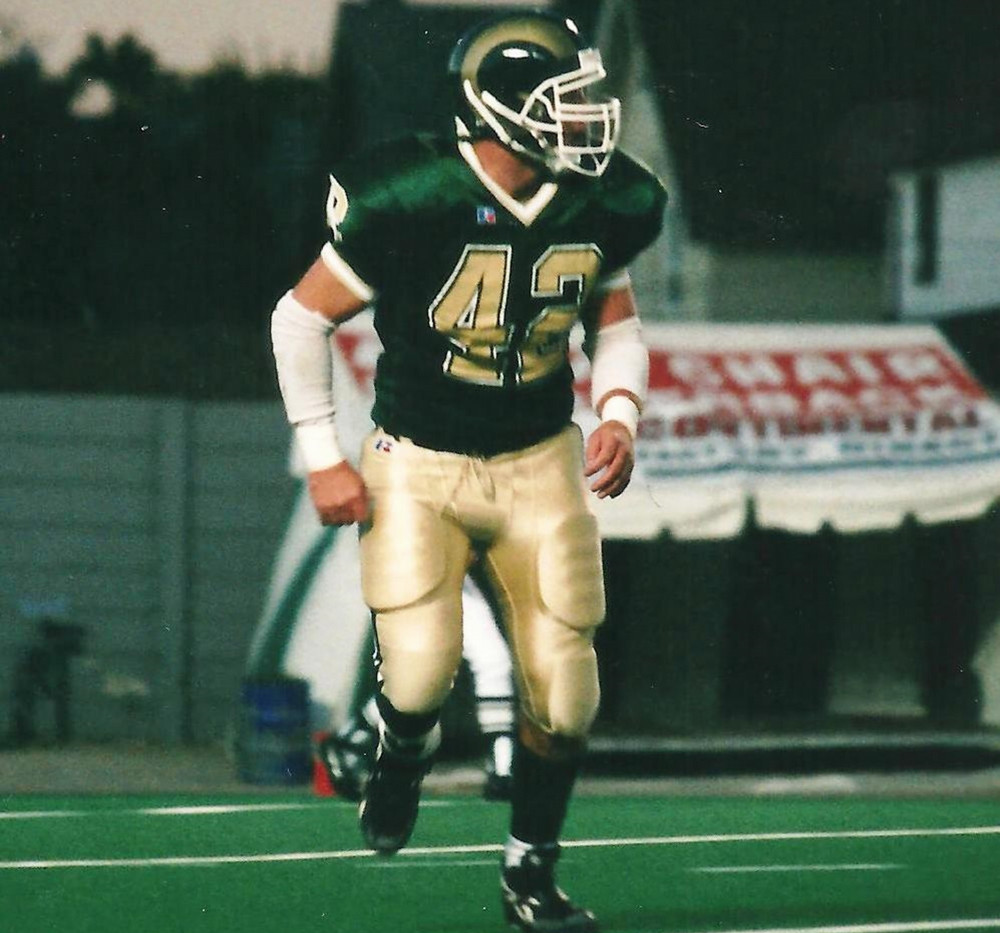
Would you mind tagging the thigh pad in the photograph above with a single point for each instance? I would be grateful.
(570, 573)
(403, 552)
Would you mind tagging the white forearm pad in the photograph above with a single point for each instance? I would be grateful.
(300, 339)
(619, 363)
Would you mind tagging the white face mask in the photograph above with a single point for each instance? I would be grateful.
(570, 131)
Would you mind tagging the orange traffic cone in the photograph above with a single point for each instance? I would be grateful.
(321, 780)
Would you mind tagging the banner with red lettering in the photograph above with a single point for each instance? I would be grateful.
(852, 426)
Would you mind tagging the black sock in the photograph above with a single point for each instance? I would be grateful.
(540, 792)
(413, 734)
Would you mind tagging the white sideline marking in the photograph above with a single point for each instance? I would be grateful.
(903, 926)
(39, 814)
(223, 808)
(158, 811)
(739, 869)
(186, 860)
(786, 837)
(204, 809)
(436, 863)
(479, 849)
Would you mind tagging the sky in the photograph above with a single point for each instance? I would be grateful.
(186, 35)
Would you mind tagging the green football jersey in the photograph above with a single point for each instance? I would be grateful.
(474, 293)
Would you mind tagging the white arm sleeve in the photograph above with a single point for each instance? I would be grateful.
(300, 339)
(619, 372)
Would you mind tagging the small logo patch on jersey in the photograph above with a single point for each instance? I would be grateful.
(485, 215)
(384, 445)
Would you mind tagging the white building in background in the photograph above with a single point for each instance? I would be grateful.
(945, 239)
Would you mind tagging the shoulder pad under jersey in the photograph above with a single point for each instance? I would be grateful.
(629, 187)
(395, 175)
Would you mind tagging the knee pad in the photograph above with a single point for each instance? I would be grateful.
(550, 746)
(419, 649)
(574, 692)
(560, 686)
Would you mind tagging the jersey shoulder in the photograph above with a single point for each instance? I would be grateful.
(629, 187)
(400, 174)
(630, 200)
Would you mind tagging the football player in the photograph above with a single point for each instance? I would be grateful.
(479, 254)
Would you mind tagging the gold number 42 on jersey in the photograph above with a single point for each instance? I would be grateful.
(471, 311)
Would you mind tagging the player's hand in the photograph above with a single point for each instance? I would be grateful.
(339, 494)
(610, 452)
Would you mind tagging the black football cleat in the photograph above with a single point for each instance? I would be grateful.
(532, 901)
(388, 811)
(347, 759)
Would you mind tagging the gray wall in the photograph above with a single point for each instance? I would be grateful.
(152, 524)
(757, 286)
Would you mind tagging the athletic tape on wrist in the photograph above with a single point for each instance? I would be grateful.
(318, 446)
(621, 408)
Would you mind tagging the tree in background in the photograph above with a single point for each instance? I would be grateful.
(145, 233)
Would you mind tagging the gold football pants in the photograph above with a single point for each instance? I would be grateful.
(525, 516)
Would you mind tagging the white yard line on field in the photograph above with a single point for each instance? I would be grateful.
(433, 851)
(40, 814)
(791, 836)
(753, 869)
(901, 926)
(208, 809)
(202, 809)
(434, 863)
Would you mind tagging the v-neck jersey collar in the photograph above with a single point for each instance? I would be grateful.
(524, 211)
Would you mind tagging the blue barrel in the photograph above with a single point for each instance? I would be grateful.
(274, 738)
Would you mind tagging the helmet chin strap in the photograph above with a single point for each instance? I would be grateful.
(489, 127)
(542, 156)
